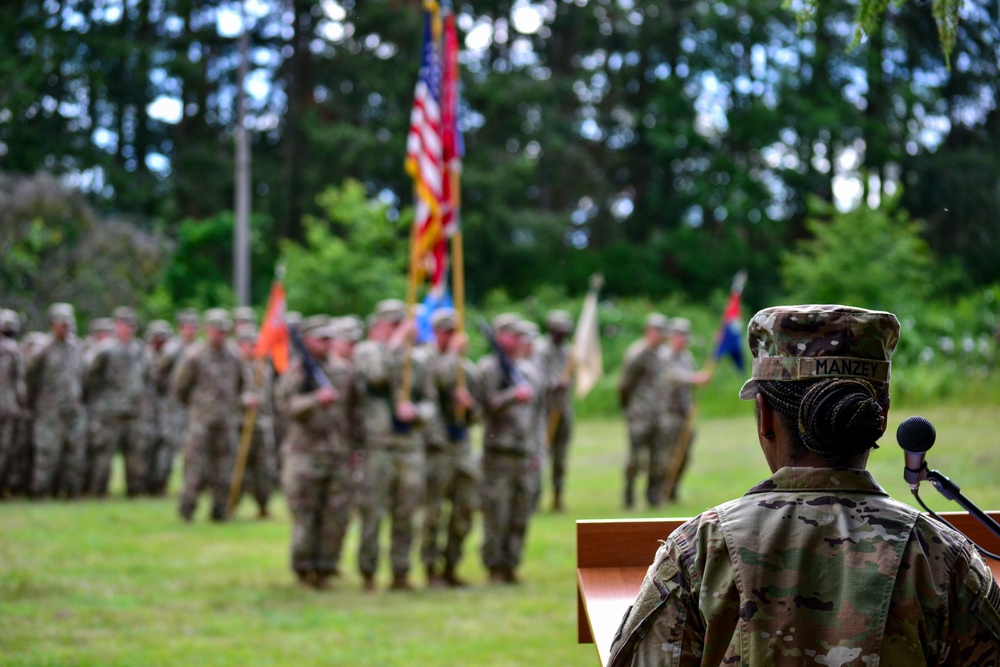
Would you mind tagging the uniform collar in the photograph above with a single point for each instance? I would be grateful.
(820, 479)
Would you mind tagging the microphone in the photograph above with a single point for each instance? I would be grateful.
(915, 435)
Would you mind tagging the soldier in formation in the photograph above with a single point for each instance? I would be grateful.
(555, 363)
(262, 458)
(12, 393)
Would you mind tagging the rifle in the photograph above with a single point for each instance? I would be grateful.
(510, 370)
(316, 374)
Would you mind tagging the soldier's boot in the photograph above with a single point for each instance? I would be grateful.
(557, 502)
(400, 582)
(305, 579)
(435, 580)
(262, 512)
(510, 577)
(321, 582)
(451, 578)
(629, 492)
(496, 575)
(369, 583)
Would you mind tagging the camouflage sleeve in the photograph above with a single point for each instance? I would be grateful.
(663, 625)
(32, 378)
(372, 365)
(632, 369)
(94, 373)
(293, 402)
(472, 382)
(184, 378)
(427, 393)
(493, 396)
(975, 635)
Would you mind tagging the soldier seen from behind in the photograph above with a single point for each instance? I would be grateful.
(816, 564)
(555, 362)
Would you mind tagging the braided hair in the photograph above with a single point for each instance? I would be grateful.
(837, 418)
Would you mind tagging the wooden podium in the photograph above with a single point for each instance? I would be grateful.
(612, 558)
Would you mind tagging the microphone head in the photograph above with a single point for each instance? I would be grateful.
(916, 434)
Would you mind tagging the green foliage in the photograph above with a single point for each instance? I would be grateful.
(872, 258)
(201, 269)
(353, 256)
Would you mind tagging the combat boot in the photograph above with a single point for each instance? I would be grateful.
(557, 503)
(451, 578)
(629, 493)
(400, 582)
(435, 580)
(369, 584)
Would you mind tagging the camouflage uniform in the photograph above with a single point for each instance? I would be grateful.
(262, 459)
(209, 381)
(159, 449)
(174, 417)
(394, 453)
(316, 472)
(452, 474)
(54, 381)
(642, 388)
(555, 365)
(116, 389)
(510, 466)
(813, 566)
(678, 405)
(12, 396)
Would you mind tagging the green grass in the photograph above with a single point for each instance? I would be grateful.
(124, 582)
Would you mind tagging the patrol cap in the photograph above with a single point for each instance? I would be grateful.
(125, 314)
(528, 329)
(506, 322)
(807, 342)
(391, 310)
(158, 329)
(62, 312)
(101, 325)
(658, 321)
(293, 318)
(444, 319)
(559, 320)
(218, 318)
(316, 326)
(188, 317)
(244, 314)
(347, 328)
(679, 325)
(9, 320)
(246, 333)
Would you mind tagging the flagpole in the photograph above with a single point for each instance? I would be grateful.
(246, 436)
(458, 294)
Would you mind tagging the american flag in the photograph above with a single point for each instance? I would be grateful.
(453, 146)
(424, 149)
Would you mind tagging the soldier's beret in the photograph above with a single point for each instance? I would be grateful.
(559, 320)
(9, 320)
(391, 310)
(125, 314)
(244, 314)
(188, 317)
(316, 326)
(680, 325)
(506, 322)
(790, 343)
(101, 325)
(444, 319)
(62, 312)
(658, 321)
(218, 318)
(158, 329)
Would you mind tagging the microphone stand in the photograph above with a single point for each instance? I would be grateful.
(951, 491)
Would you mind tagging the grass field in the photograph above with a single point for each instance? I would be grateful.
(125, 583)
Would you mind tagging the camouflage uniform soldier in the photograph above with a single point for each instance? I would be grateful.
(394, 446)
(115, 387)
(19, 474)
(556, 367)
(209, 381)
(816, 565)
(679, 403)
(175, 414)
(55, 398)
(262, 459)
(510, 465)
(12, 391)
(641, 391)
(452, 475)
(316, 475)
(156, 410)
